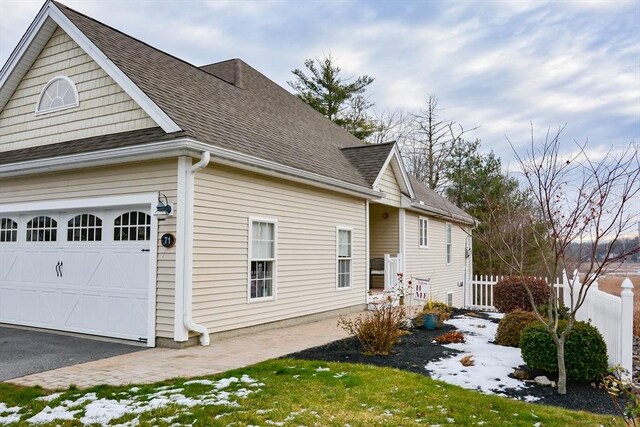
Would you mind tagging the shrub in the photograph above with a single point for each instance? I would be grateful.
(510, 294)
(377, 330)
(450, 337)
(563, 311)
(636, 323)
(511, 326)
(585, 352)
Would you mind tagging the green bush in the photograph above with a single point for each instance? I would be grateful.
(585, 352)
(510, 294)
(511, 326)
(563, 311)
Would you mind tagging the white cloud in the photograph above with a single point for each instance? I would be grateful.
(500, 64)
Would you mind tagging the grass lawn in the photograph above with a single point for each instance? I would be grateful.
(288, 393)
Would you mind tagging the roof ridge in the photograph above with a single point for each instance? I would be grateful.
(365, 145)
(62, 5)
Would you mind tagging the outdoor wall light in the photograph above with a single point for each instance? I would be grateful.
(163, 209)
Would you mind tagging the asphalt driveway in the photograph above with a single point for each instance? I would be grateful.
(24, 352)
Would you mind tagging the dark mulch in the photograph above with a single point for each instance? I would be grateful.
(415, 351)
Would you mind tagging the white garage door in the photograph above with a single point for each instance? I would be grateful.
(84, 271)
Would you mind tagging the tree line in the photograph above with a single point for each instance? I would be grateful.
(436, 150)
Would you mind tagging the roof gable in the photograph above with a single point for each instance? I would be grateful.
(103, 108)
(49, 18)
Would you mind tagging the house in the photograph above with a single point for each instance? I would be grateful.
(147, 199)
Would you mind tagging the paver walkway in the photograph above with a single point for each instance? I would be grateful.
(159, 364)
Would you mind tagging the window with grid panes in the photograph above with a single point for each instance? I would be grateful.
(263, 259)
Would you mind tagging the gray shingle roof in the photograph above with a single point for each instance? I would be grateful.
(262, 119)
(435, 202)
(86, 145)
(369, 159)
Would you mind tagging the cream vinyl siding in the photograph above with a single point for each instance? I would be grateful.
(112, 181)
(431, 261)
(389, 185)
(104, 107)
(225, 199)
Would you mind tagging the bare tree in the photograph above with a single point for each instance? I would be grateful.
(391, 125)
(575, 198)
(428, 149)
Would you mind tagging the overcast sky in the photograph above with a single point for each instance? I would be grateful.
(495, 64)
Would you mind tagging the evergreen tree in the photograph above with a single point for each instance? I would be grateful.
(340, 100)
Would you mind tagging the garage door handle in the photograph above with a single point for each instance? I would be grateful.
(58, 269)
(61, 264)
(145, 250)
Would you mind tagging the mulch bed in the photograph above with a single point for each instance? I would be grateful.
(415, 351)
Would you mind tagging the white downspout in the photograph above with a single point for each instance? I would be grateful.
(188, 271)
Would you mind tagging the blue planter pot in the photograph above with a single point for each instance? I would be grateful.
(431, 321)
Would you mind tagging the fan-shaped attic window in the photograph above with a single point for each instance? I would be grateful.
(58, 94)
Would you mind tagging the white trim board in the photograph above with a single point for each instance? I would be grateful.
(69, 204)
(184, 146)
(397, 168)
(26, 52)
(402, 238)
(180, 332)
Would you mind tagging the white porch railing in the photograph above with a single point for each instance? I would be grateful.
(611, 315)
(391, 270)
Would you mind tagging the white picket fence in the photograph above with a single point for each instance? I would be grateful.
(480, 292)
(610, 314)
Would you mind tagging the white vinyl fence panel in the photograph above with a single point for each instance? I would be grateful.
(610, 314)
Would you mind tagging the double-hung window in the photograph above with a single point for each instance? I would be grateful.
(424, 232)
(344, 251)
(262, 263)
(448, 248)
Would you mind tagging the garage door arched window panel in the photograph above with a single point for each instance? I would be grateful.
(58, 94)
(42, 229)
(132, 226)
(84, 228)
(8, 230)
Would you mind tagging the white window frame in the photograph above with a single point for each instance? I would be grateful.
(38, 111)
(340, 228)
(426, 236)
(57, 228)
(87, 227)
(448, 243)
(274, 281)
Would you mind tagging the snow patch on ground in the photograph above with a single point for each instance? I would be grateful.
(47, 398)
(224, 392)
(493, 363)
